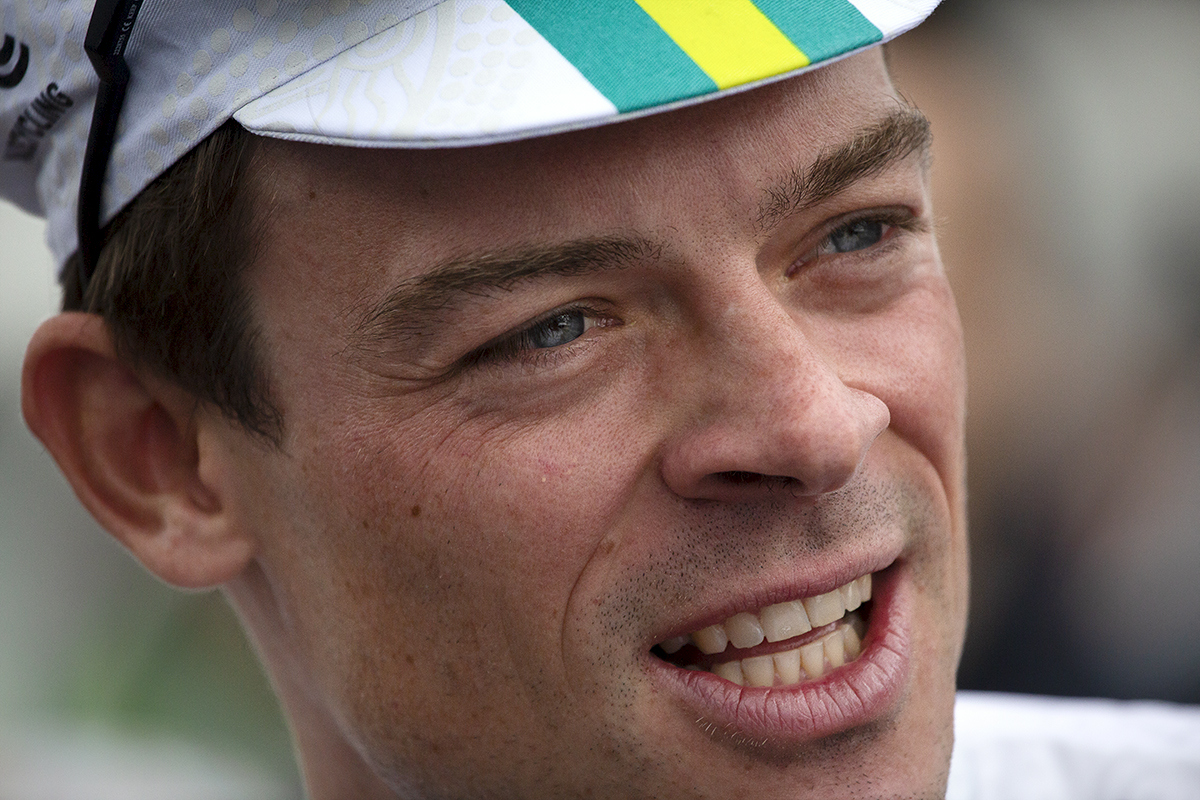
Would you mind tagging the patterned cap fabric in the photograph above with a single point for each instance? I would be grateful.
(385, 73)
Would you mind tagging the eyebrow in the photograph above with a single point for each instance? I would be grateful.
(407, 310)
(408, 307)
(871, 151)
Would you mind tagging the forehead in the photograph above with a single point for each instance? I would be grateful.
(550, 188)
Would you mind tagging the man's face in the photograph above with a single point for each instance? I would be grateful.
(552, 404)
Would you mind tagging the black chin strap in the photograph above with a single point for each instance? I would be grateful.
(107, 36)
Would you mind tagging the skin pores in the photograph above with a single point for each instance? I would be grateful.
(686, 392)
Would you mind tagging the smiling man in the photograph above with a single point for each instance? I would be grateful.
(586, 493)
(547, 446)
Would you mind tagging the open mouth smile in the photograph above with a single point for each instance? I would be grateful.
(797, 670)
(782, 644)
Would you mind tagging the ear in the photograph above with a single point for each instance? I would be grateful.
(137, 452)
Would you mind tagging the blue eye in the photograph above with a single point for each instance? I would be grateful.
(556, 330)
(855, 236)
(860, 234)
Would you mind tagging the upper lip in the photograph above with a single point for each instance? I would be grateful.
(764, 593)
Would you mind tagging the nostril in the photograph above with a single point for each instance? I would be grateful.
(739, 477)
(757, 479)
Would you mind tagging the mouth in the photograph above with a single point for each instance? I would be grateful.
(771, 675)
(785, 644)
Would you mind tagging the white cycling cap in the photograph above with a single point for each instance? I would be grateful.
(384, 73)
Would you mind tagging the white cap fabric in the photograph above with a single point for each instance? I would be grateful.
(385, 73)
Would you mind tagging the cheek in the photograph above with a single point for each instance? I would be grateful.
(536, 500)
(911, 357)
(451, 522)
(459, 548)
(924, 378)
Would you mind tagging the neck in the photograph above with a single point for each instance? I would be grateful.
(331, 766)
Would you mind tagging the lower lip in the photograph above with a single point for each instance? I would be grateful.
(867, 689)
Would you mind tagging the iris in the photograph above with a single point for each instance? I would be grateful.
(556, 330)
(856, 236)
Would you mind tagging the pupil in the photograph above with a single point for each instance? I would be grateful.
(856, 236)
(559, 330)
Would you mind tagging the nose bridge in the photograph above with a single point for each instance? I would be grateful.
(767, 406)
(760, 343)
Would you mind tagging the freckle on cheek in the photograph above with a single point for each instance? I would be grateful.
(416, 511)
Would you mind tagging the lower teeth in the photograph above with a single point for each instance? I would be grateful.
(807, 662)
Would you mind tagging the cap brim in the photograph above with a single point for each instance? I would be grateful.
(492, 71)
(390, 73)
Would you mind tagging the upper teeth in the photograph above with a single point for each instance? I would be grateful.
(778, 622)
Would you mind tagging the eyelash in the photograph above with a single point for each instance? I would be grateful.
(901, 219)
(518, 346)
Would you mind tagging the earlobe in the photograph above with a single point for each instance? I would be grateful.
(132, 447)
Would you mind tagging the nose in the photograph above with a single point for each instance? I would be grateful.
(765, 411)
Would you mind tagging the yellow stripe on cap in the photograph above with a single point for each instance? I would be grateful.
(732, 41)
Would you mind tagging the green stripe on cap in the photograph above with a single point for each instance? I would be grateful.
(619, 49)
(821, 28)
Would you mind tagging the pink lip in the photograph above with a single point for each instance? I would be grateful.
(864, 690)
